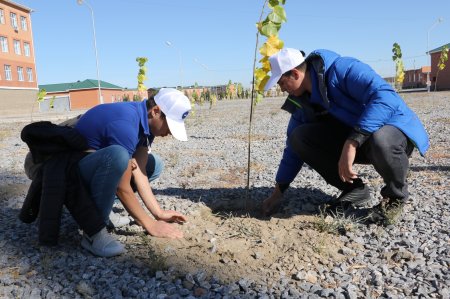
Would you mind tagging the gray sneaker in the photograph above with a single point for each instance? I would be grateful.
(102, 244)
(116, 220)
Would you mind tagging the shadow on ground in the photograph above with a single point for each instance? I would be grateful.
(240, 201)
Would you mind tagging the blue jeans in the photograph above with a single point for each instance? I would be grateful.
(102, 170)
(155, 166)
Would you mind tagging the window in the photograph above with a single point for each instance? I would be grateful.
(20, 73)
(23, 23)
(8, 75)
(13, 20)
(2, 16)
(26, 49)
(4, 44)
(30, 74)
(17, 49)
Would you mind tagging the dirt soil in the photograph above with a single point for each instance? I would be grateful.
(231, 246)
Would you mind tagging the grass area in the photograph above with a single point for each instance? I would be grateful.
(336, 222)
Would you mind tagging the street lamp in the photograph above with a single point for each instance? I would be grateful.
(439, 20)
(201, 64)
(81, 2)
(169, 44)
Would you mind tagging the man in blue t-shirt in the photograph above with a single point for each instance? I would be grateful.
(120, 135)
(344, 113)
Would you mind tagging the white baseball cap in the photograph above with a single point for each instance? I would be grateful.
(176, 107)
(281, 62)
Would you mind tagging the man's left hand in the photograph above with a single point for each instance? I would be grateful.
(345, 165)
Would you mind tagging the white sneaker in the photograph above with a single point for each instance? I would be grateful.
(102, 244)
(116, 220)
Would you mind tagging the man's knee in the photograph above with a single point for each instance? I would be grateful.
(119, 157)
(387, 140)
(297, 139)
(155, 166)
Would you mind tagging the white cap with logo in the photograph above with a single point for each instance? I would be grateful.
(281, 62)
(176, 107)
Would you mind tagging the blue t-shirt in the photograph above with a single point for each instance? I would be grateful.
(124, 124)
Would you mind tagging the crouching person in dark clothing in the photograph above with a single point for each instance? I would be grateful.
(344, 113)
(52, 165)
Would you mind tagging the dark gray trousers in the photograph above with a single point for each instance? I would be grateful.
(319, 144)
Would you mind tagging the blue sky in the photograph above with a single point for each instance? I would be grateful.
(216, 39)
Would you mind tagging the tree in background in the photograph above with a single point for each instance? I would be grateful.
(239, 90)
(202, 97)
(228, 92)
(141, 77)
(212, 100)
(441, 64)
(52, 102)
(399, 68)
(39, 98)
(41, 95)
(194, 96)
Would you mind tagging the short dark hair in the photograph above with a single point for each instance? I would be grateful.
(152, 103)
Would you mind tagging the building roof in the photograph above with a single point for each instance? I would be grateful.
(86, 84)
(17, 5)
(439, 49)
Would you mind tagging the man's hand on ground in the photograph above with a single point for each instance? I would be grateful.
(272, 203)
(162, 229)
(171, 216)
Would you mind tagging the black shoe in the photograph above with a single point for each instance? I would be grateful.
(335, 207)
(388, 211)
(357, 196)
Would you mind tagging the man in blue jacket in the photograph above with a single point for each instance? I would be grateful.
(342, 113)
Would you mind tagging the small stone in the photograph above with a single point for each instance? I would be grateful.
(243, 283)
(311, 277)
(299, 275)
(84, 289)
(258, 255)
(445, 292)
(347, 251)
(199, 292)
(213, 249)
(188, 285)
(159, 274)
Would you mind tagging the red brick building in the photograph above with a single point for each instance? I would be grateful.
(18, 77)
(443, 78)
(416, 78)
(84, 95)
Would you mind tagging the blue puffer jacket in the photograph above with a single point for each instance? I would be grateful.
(354, 93)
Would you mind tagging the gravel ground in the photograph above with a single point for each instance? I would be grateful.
(229, 249)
